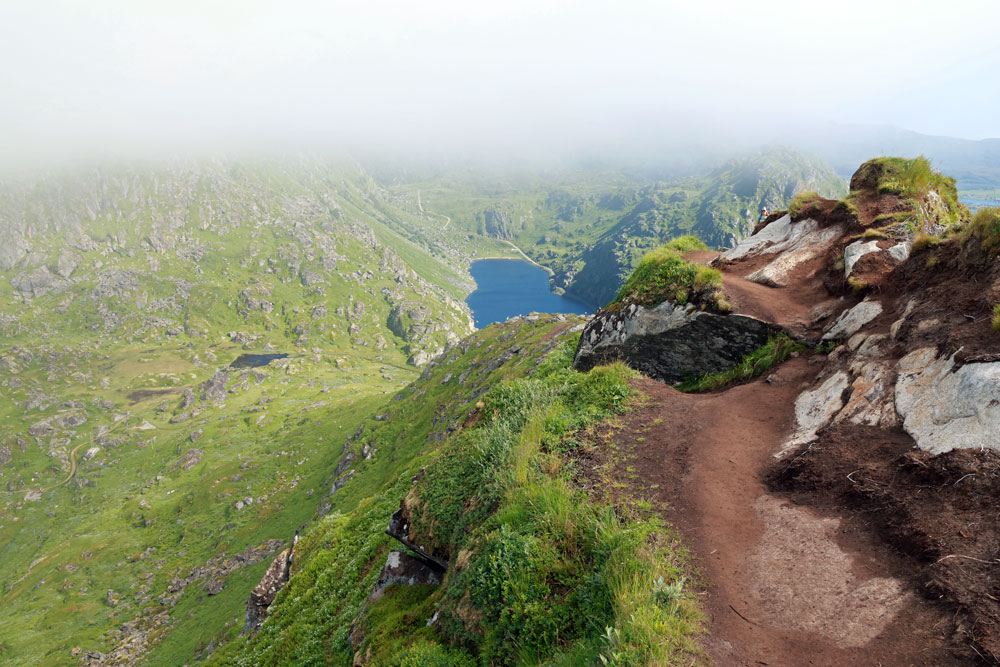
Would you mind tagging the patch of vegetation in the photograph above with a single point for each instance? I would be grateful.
(663, 275)
(985, 227)
(801, 201)
(923, 240)
(872, 233)
(686, 243)
(913, 181)
(539, 572)
(848, 206)
(856, 284)
(996, 318)
(776, 350)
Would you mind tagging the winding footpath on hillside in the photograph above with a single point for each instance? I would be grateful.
(786, 586)
(783, 583)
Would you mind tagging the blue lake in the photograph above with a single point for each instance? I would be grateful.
(509, 287)
(976, 204)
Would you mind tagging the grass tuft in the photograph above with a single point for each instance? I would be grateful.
(663, 275)
(996, 318)
(856, 284)
(800, 201)
(923, 240)
(985, 226)
(686, 243)
(776, 350)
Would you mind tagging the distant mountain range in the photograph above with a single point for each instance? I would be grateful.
(974, 164)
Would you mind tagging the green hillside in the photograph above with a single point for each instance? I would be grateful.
(125, 295)
(147, 482)
(540, 570)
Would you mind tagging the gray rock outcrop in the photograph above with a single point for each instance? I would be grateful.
(669, 342)
(807, 243)
(266, 590)
(851, 321)
(778, 236)
(399, 528)
(12, 251)
(403, 569)
(944, 407)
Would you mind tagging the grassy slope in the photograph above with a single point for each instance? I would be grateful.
(129, 522)
(542, 573)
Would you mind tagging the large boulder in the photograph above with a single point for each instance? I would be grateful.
(778, 236)
(670, 342)
(805, 242)
(944, 407)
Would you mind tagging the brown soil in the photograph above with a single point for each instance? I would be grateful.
(938, 511)
(954, 289)
(786, 584)
(871, 204)
(800, 307)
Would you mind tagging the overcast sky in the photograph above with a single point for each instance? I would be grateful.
(90, 76)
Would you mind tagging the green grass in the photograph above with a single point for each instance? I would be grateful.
(539, 571)
(985, 227)
(663, 275)
(996, 318)
(275, 438)
(687, 243)
(776, 350)
(800, 201)
(912, 180)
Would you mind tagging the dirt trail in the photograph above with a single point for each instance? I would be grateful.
(794, 307)
(784, 586)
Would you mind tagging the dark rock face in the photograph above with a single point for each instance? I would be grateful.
(266, 590)
(498, 223)
(404, 569)
(669, 342)
(399, 528)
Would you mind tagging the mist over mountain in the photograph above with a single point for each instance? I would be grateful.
(250, 413)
